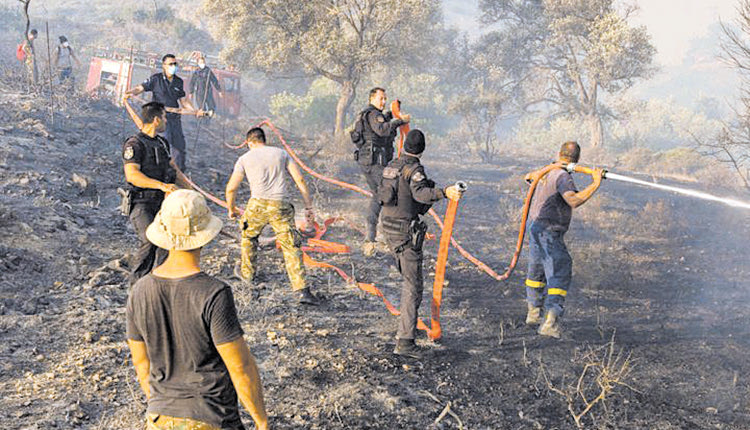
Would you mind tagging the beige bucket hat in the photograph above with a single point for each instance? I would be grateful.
(183, 223)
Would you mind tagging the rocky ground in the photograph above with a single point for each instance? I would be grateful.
(657, 318)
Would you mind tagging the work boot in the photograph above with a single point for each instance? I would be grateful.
(407, 348)
(368, 248)
(551, 326)
(533, 315)
(306, 297)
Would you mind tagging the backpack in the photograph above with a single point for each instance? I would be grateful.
(358, 134)
(20, 53)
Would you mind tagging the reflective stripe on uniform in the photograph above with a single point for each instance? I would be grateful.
(557, 291)
(535, 284)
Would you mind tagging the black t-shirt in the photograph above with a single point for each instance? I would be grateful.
(181, 321)
(164, 91)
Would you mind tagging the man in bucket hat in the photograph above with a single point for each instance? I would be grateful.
(183, 332)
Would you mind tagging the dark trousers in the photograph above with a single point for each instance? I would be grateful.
(148, 255)
(66, 73)
(550, 268)
(176, 140)
(373, 175)
(409, 262)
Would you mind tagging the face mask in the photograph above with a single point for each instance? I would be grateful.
(65, 44)
(171, 70)
(201, 65)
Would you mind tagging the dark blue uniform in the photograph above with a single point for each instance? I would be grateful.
(152, 155)
(379, 130)
(201, 88)
(404, 231)
(169, 93)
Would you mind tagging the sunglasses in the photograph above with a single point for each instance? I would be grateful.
(171, 64)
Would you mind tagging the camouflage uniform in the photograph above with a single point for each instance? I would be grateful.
(163, 422)
(280, 215)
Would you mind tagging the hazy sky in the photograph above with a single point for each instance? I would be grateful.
(671, 23)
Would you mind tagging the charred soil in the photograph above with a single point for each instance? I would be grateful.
(660, 293)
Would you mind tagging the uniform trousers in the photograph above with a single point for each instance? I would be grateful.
(176, 139)
(148, 255)
(409, 263)
(373, 176)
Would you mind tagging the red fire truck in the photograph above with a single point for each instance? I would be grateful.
(111, 73)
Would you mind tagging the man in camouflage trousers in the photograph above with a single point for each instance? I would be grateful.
(265, 168)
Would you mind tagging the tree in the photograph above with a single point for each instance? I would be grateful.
(489, 84)
(341, 40)
(575, 48)
(731, 145)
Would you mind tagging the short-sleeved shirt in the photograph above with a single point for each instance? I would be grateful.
(265, 170)
(164, 91)
(181, 321)
(548, 207)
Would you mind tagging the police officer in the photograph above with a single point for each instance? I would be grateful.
(374, 153)
(406, 193)
(150, 173)
(168, 89)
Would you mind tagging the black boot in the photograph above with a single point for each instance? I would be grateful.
(306, 297)
(407, 348)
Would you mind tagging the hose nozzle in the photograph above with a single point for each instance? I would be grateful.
(574, 167)
(461, 185)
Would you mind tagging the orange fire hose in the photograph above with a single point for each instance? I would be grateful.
(434, 332)
(352, 187)
(315, 244)
(402, 130)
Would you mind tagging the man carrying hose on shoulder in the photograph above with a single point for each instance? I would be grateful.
(550, 264)
(406, 194)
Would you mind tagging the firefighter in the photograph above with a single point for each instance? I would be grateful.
(374, 135)
(202, 84)
(151, 174)
(406, 194)
(167, 88)
(550, 265)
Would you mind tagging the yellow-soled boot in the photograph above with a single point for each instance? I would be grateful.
(533, 315)
(551, 326)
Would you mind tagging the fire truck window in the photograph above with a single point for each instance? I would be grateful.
(229, 85)
(107, 82)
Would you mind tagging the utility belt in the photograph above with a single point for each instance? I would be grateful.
(129, 197)
(415, 228)
(369, 154)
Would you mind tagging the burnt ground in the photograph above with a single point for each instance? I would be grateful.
(658, 312)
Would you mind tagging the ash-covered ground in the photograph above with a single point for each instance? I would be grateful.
(657, 320)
